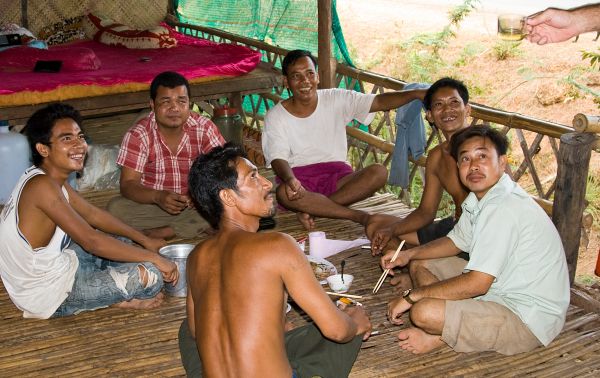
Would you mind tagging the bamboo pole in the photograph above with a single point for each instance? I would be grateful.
(584, 123)
(571, 178)
(326, 73)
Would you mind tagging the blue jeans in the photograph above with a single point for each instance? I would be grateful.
(100, 283)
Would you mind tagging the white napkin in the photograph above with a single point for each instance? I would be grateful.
(322, 247)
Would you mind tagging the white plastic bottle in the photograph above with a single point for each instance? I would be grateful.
(15, 157)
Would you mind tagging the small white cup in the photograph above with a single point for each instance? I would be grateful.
(336, 284)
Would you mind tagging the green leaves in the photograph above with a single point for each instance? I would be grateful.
(594, 58)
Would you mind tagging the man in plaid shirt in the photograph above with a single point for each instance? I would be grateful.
(155, 158)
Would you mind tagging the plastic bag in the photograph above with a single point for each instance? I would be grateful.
(100, 171)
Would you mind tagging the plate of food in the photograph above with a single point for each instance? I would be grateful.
(321, 268)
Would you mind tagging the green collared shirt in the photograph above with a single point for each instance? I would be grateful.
(510, 237)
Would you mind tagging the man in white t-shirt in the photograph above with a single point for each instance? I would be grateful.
(305, 143)
(513, 293)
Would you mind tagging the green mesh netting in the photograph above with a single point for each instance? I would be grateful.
(290, 24)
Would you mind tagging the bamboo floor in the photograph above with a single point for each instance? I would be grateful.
(128, 343)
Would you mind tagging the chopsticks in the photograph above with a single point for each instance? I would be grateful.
(387, 271)
(344, 295)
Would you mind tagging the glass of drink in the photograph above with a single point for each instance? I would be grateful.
(511, 27)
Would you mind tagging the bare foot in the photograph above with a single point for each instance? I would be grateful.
(417, 341)
(142, 304)
(164, 232)
(402, 281)
(307, 220)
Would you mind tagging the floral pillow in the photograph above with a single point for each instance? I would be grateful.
(65, 31)
(112, 33)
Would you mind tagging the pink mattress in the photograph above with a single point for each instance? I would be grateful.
(120, 69)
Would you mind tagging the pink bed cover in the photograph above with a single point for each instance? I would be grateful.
(193, 58)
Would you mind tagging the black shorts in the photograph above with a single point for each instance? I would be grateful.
(436, 230)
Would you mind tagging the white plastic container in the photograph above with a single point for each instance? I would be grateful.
(14, 159)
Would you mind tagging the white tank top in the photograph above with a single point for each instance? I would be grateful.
(39, 280)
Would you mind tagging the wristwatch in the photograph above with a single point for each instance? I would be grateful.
(406, 296)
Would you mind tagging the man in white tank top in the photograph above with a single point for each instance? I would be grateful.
(47, 275)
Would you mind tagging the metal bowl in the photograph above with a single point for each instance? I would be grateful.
(177, 253)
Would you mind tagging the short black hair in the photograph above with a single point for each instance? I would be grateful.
(498, 139)
(293, 56)
(211, 173)
(168, 79)
(446, 82)
(39, 126)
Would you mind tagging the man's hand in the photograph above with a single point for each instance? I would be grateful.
(172, 202)
(402, 259)
(294, 189)
(381, 237)
(168, 269)
(361, 319)
(396, 308)
(550, 26)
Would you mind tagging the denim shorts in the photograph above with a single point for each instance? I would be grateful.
(100, 283)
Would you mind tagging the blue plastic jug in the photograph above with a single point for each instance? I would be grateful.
(15, 157)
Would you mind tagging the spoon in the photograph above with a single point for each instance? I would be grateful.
(343, 264)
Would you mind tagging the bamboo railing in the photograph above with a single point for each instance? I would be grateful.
(534, 142)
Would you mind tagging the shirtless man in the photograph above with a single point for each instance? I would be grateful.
(47, 275)
(304, 141)
(238, 285)
(447, 108)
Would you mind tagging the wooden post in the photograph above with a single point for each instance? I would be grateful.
(326, 77)
(24, 18)
(571, 178)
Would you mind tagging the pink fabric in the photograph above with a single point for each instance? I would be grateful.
(192, 58)
(23, 58)
(321, 177)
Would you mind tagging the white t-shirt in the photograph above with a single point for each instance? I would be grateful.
(37, 281)
(320, 137)
(510, 237)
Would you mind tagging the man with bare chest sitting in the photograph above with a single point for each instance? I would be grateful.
(239, 281)
(446, 103)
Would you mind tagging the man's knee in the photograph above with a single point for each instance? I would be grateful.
(378, 173)
(150, 277)
(417, 266)
(428, 313)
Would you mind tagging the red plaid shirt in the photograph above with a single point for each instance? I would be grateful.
(144, 151)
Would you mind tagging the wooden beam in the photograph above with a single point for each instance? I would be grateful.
(571, 178)
(326, 76)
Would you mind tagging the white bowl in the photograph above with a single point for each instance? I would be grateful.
(336, 284)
